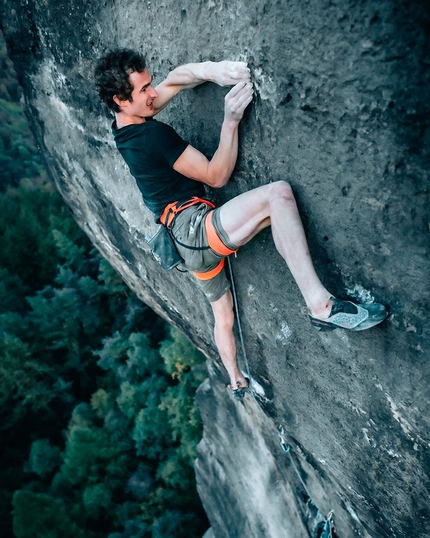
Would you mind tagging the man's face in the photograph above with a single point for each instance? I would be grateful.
(143, 95)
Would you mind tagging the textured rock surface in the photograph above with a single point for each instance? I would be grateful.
(342, 113)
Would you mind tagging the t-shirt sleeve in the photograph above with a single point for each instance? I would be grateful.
(166, 145)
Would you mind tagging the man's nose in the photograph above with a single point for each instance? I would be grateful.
(154, 93)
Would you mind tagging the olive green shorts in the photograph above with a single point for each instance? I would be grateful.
(189, 228)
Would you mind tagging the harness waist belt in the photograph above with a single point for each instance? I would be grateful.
(171, 210)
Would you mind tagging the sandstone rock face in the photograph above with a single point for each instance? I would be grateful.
(341, 111)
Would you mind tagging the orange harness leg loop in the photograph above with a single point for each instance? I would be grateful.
(212, 273)
(213, 239)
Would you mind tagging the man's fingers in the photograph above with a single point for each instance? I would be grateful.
(235, 90)
(240, 75)
(241, 71)
(243, 102)
(230, 73)
(241, 95)
(237, 99)
(240, 87)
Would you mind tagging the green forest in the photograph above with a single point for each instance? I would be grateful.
(98, 423)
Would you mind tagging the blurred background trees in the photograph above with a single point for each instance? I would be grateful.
(98, 420)
(19, 157)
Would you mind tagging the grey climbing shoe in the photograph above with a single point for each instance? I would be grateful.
(351, 316)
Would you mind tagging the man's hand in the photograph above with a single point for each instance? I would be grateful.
(237, 99)
(227, 73)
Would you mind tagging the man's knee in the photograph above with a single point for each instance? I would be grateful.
(223, 311)
(281, 190)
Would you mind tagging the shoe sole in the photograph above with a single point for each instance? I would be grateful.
(367, 324)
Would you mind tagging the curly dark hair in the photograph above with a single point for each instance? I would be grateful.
(112, 75)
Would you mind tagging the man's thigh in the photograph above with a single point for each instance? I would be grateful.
(189, 228)
(245, 215)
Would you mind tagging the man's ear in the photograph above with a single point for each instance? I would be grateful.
(118, 101)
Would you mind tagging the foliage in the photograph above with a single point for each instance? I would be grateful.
(75, 340)
(19, 157)
(37, 514)
(98, 417)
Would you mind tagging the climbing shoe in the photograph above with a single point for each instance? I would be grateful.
(351, 316)
(239, 392)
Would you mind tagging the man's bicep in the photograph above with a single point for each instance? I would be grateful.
(166, 92)
(193, 164)
(183, 77)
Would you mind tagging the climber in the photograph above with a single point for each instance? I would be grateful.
(169, 172)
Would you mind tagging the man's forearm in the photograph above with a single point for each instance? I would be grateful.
(222, 164)
(217, 171)
(223, 73)
(181, 78)
(190, 75)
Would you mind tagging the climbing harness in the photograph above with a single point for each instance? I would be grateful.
(167, 220)
(207, 275)
(214, 241)
(163, 242)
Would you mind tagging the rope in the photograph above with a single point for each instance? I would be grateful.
(287, 449)
(324, 528)
(239, 325)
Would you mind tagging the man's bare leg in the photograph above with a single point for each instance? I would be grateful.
(224, 338)
(242, 218)
(274, 204)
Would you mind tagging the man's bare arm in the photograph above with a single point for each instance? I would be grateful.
(188, 76)
(218, 170)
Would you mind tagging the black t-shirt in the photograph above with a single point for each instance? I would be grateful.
(151, 149)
